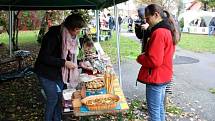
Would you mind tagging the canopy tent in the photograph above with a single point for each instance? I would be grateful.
(56, 4)
(193, 14)
(63, 5)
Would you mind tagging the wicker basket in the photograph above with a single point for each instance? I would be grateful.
(76, 103)
(91, 103)
(77, 94)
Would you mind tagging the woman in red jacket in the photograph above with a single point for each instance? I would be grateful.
(157, 63)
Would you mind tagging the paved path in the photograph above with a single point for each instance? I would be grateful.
(193, 77)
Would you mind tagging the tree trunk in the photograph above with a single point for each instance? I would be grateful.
(15, 31)
(43, 27)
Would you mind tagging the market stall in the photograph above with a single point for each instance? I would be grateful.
(98, 91)
(13, 6)
(108, 97)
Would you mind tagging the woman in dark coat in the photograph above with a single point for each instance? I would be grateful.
(57, 63)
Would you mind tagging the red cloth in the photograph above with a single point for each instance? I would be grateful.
(157, 62)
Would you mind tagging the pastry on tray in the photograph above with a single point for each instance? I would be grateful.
(101, 102)
(95, 84)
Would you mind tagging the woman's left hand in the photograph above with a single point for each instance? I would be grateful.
(70, 65)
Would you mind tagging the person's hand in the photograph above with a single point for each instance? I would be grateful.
(137, 59)
(70, 65)
(86, 65)
(137, 25)
(145, 26)
(89, 68)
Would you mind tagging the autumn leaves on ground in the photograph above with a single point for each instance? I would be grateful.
(21, 98)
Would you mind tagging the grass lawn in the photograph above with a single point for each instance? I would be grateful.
(130, 49)
(25, 37)
(198, 43)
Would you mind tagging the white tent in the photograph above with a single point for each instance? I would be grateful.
(192, 15)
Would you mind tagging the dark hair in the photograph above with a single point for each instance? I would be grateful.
(152, 8)
(88, 41)
(176, 34)
(74, 21)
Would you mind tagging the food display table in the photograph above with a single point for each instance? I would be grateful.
(121, 105)
(98, 92)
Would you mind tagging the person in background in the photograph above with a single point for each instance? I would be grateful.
(141, 28)
(157, 61)
(103, 21)
(87, 52)
(111, 24)
(56, 63)
(212, 26)
(130, 24)
(120, 22)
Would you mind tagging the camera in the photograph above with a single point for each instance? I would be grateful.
(139, 21)
(141, 12)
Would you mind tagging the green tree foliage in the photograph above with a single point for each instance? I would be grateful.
(56, 17)
(210, 3)
(3, 18)
(181, 23)
(43, 27)
(2, 22)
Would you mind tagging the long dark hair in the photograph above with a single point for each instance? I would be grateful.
(152, 8)
(176, 34)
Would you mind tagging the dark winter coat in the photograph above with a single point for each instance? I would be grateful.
(49, 62)
(143, 35)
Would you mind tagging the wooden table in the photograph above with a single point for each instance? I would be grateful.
(105, 34)
(19, 56)
(105, 31)
(121, 106)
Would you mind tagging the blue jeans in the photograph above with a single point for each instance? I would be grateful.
(53, 98)
(155, 95)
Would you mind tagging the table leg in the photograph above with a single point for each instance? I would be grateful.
(20, 64)
(84, 118)
(119, 117)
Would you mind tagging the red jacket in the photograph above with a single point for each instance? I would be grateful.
(157, 62)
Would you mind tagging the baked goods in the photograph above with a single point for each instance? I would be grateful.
(95, 84)
(101, 102)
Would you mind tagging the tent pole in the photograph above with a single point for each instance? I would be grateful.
(97, 25)
(118, 42)
(10, 31)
